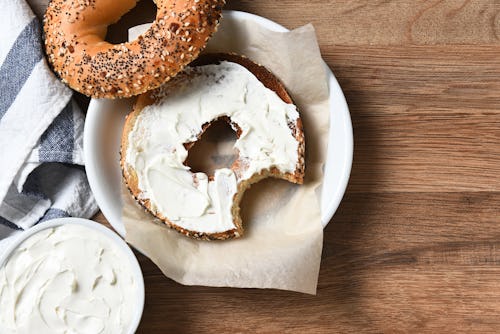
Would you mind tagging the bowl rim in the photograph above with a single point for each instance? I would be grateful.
(99, 228)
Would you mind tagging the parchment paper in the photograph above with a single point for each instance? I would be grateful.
(283, 239)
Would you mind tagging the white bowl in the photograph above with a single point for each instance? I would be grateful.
(105, 120)
(134, 265)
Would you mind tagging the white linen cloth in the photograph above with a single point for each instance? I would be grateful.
(41, 131)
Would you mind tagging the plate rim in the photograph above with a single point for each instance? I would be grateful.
(341, 109)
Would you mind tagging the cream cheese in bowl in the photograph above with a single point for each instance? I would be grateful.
(70, 278)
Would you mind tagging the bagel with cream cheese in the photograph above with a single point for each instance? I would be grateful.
(166, 122)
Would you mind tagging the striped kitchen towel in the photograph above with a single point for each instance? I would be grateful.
(41, 131)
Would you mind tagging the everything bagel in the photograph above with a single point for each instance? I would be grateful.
(74, 41)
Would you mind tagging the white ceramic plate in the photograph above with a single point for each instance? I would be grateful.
(100, 229)
(105, 119)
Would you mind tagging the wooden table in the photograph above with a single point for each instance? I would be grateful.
(415, 244)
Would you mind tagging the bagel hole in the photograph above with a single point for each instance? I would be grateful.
(214, 150)
(143, 12)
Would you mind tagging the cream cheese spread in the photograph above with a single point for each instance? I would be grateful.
(67, 279)
(201, 95)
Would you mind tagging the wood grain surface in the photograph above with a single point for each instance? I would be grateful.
(415, 244)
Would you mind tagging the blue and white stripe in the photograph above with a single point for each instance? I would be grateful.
(41, 131)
